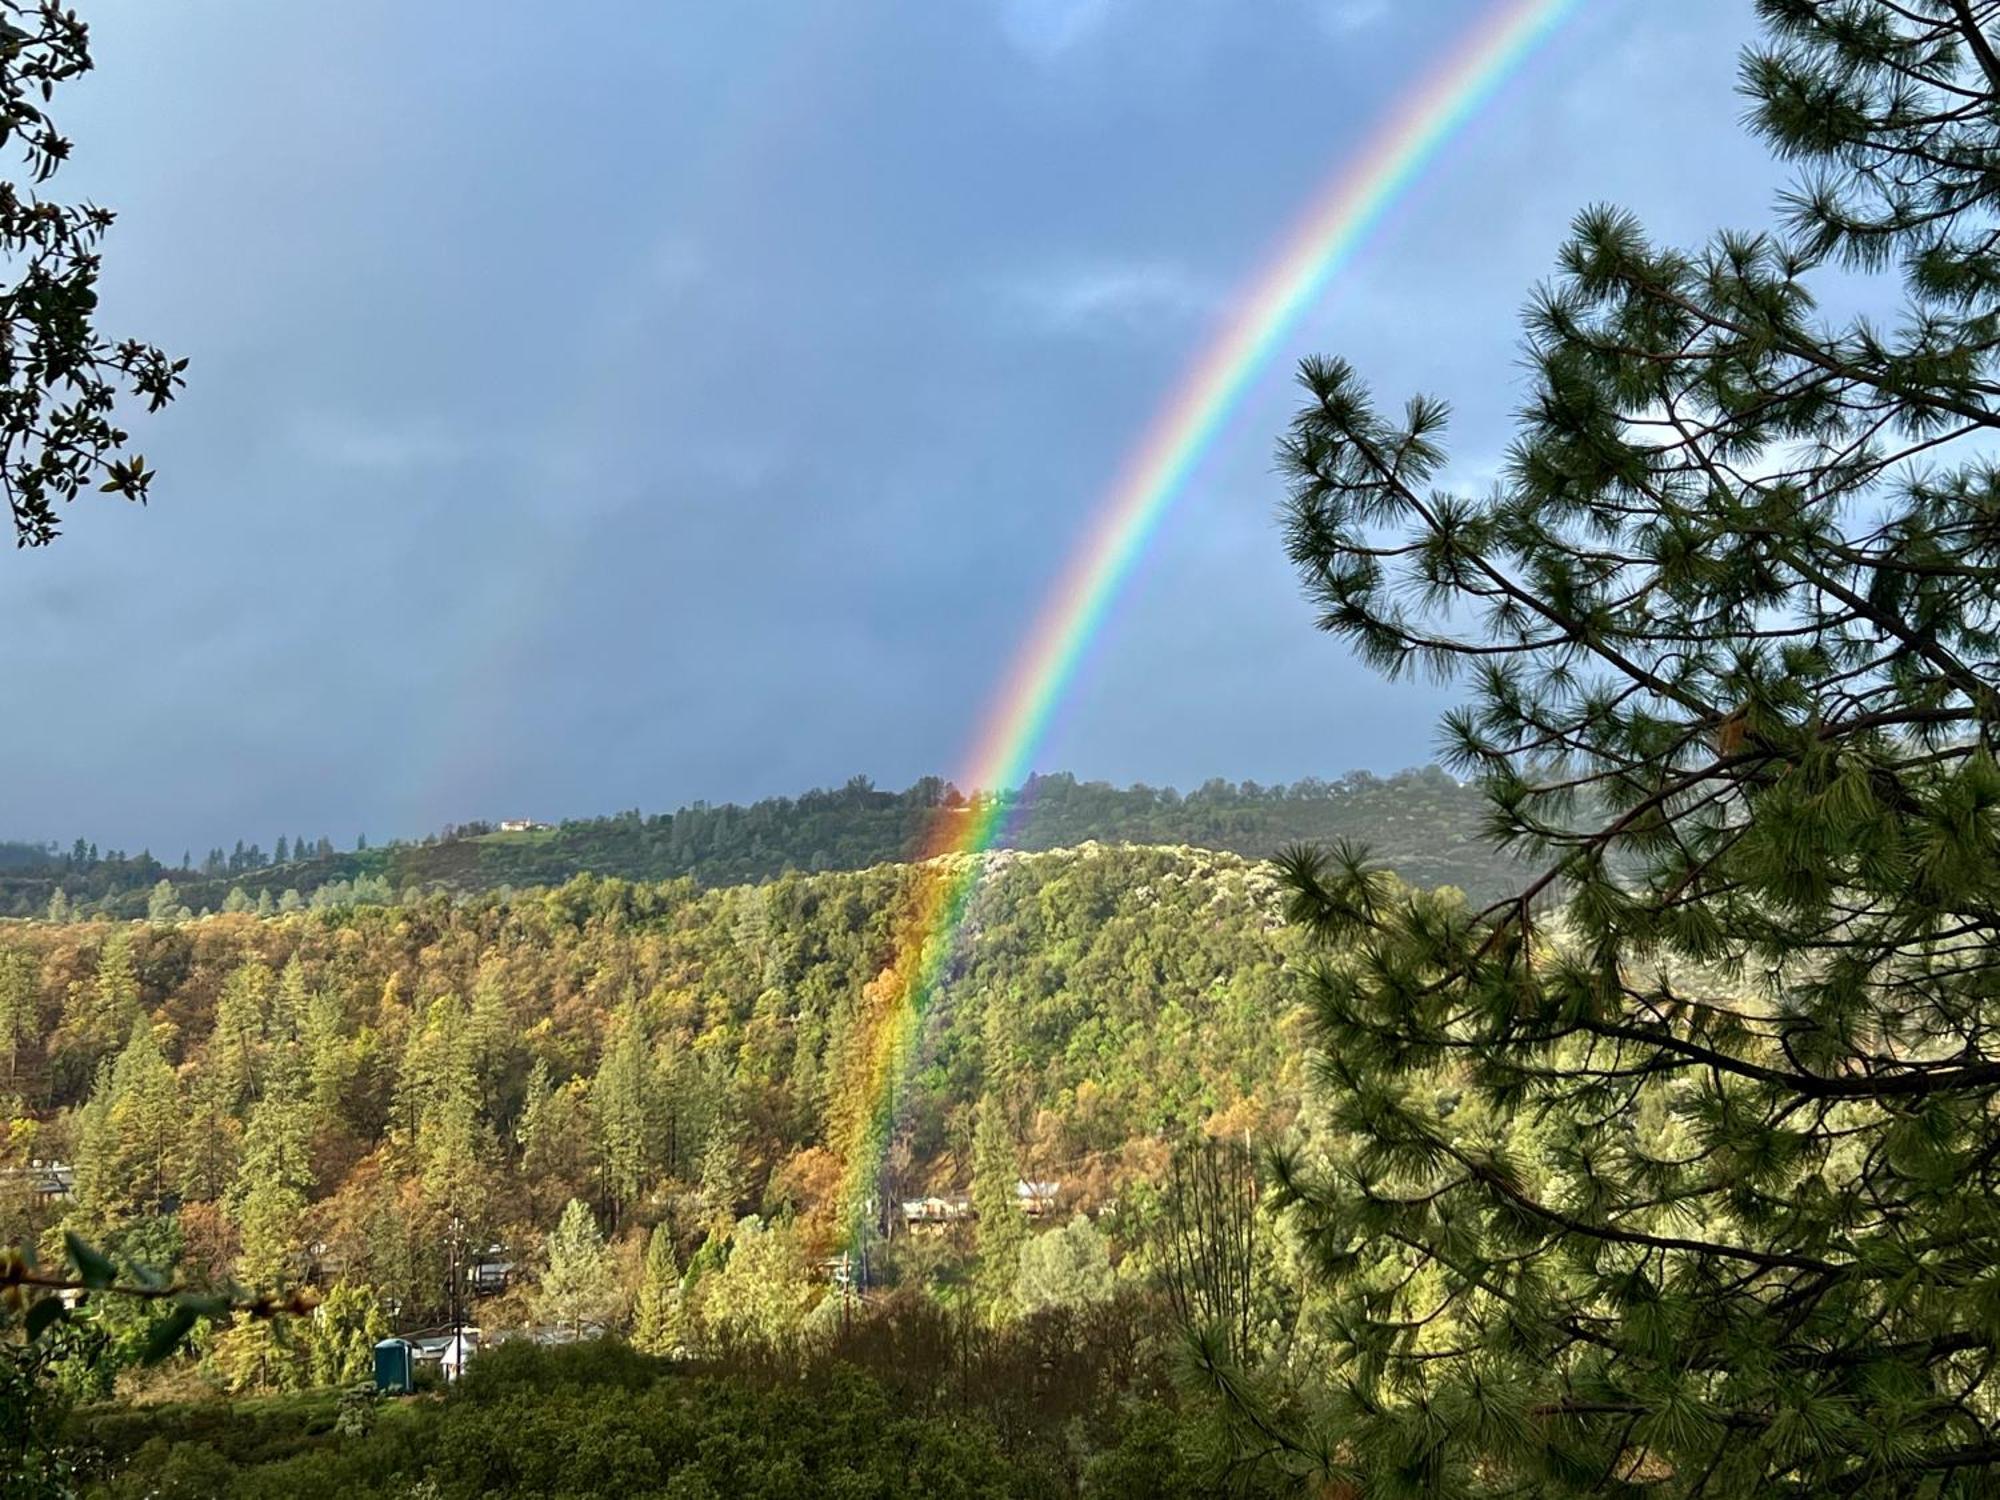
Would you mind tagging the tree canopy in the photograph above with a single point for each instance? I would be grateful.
(1688, 1181)
(61, 380)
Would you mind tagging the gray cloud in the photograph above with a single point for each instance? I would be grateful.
(698, 402)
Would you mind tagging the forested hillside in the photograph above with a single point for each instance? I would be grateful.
(1420, 823)
(351, 1098)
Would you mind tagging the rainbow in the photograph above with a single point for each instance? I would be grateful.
(1325, 240)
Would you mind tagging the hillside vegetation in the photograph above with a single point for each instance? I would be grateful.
(1420, 823)
(350, 1098)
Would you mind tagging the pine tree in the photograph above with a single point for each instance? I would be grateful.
(619, 1099)
(660, 1325)
(438, 1096)
(98, 1016)
(1731, 626)
(163, 905)
(277, 1172)
(329, 1061)
(577, 1287)
(233, 1072)
(495, 1040)
(128, 1137)
(291, 1003)
(1003, 1229)
(18, 1006)
(555, 1137)
(721, 1186)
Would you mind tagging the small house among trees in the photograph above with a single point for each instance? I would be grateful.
(1037, 1198)
(491, 1273)
(934, 1215)
(47, 1181)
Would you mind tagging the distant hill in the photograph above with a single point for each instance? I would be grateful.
(1421, 823)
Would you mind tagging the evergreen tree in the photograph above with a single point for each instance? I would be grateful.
(1067, 1267)
(1730, 623)
(555, 1138)
(762, 1293)
(59, 912)
(495, 1040)
(162, 905)
(329, 1061)
(232, 1076)
(660, 1319)
(98, 1016)
(128, 1137)
(1003, 1229)
(438, 1095)
(722, 1181)
(18, 1006)
(342, 1334)
(620, 1100)
(577, 1287)
(277, 1173)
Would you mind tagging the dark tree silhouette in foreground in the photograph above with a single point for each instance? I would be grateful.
(61, 380)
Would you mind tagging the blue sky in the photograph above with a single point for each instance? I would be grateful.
(616, 405)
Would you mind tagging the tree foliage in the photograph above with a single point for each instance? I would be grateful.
(577, 1290)
(1421, 822)
(1065, 1268)
(61, 380)
(1691, 1184)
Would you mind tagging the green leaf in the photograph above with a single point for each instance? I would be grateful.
(166, 1335)
(42, 1315)
(91, 1265)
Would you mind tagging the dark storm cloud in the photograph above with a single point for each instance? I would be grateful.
(633, 403)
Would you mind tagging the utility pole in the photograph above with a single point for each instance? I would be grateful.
(452, 1288)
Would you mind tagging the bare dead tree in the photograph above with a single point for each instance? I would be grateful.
(1210, 1239)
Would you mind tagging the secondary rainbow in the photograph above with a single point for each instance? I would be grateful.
(1325, 240)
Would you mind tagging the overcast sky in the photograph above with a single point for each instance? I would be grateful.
(620, 404)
